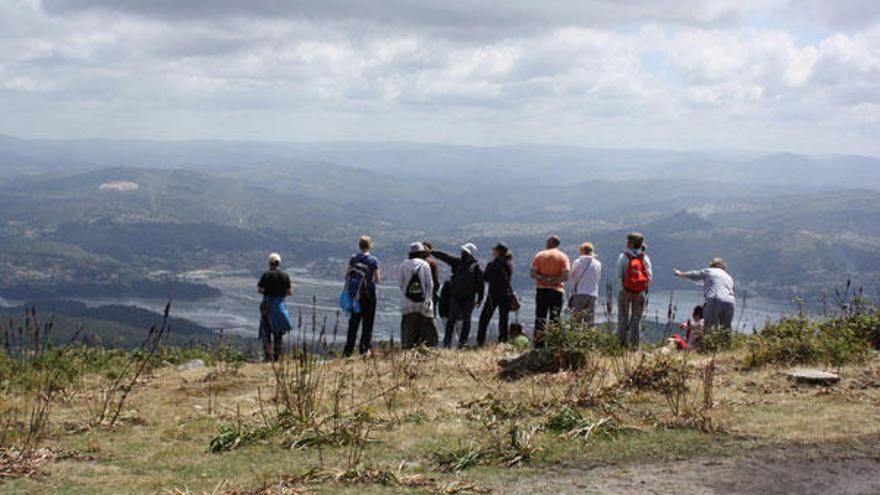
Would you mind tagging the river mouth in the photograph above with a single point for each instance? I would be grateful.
(314, 306)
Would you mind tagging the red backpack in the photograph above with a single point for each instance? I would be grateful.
(636, 277)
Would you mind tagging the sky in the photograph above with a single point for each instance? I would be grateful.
(782, 75)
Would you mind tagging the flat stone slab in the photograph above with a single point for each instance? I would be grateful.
(812, 376)
(195, 364)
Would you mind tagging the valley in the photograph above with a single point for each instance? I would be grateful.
(115, 222)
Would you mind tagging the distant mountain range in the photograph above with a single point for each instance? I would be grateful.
(542, 164)
(118, 213)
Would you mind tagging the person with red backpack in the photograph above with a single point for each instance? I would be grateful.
(635, 273)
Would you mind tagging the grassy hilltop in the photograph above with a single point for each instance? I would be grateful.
(438, 421)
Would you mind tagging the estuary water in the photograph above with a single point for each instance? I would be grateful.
(236, 310)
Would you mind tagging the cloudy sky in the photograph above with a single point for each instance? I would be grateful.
(797, 75)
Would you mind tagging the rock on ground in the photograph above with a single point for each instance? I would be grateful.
(813, 376)
(195, 364)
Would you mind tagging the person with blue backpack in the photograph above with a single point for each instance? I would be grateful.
(359, 297)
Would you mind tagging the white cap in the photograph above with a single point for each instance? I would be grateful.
(470, 249)
(274, 259)
(417, 247)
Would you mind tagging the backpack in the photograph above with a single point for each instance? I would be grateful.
(415, 291)
(356, 288)
(636, 279)
(356, 281)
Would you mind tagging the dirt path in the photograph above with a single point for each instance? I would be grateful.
(795, 471)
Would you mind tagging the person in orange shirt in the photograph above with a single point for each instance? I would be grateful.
(550, 269)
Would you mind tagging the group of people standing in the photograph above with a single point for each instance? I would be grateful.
(423, 297)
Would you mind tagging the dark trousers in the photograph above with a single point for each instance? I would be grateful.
(365, 320)
(459, 310)
(273, 346)
(718, 317)
(417, 329)
(548, 306)
(718, 314)
(486, 316)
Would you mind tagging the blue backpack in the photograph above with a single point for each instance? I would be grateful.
(356, 288)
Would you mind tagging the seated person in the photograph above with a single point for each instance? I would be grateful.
(695, 328)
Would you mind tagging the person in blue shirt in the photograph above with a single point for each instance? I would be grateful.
(365, 267)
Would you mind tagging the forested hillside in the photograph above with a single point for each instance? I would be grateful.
(126, 217)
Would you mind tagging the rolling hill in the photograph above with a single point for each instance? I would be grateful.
(226, 204)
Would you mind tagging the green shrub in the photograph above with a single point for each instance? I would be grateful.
(566, 334)
(663, 373)
(564, 420)
(458, 459)
(233, 436)
(862, 324)
(840, 340)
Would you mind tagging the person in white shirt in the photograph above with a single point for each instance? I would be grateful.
(417, 303)
(583, 280)
(719, 294)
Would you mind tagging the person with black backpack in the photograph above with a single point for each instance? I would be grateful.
(417, 303)
(361, 278)
(466, 293)
(635, 274)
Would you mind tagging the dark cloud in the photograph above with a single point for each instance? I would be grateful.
(452, 17)
(839, 13)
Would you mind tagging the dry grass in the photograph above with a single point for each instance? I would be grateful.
(424, 403)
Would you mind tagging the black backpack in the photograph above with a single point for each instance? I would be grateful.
(356, 282)
(415, 291)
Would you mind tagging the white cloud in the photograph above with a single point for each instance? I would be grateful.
(662, 74)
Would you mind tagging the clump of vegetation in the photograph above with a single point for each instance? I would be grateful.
(340, 432)
(106, 408)
(234, 435)
(489, 410)
(509, 448)
(566, 334)
(657, 372)
(464, 456)
(39, 373)
(569, 422)
(843, 339)
(365, 474)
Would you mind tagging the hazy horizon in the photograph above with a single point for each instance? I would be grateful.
(738, 152)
